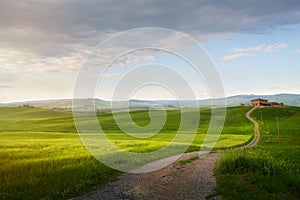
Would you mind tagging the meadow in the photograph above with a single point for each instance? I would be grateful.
(271, 169)
(42, 156)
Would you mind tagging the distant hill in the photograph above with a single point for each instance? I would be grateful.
(287, 99)
(104, 106)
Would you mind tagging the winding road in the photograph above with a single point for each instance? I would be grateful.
(194, 180)
(256, 130)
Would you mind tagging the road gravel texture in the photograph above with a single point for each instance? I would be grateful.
(192, 180)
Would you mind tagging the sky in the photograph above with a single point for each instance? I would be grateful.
(254, 45)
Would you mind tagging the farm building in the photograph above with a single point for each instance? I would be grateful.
(259, 102)
(264, 102)
(276, 104)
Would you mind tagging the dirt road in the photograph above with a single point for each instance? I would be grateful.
(194, 180)
(256, 130)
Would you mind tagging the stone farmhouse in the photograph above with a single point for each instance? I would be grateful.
(264, 102)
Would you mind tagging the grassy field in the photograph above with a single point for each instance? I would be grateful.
(271, 169)
(237, 130)
(42, 156)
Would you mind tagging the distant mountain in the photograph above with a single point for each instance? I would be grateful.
(104, 106)
(287, 99)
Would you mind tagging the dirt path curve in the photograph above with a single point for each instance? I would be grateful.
(256, 130)
(194, 180)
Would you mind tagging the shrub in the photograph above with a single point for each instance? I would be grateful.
(248, 161)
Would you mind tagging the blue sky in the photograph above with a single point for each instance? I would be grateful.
(255, 46)
(271, 72)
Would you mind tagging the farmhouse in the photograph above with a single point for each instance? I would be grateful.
(259, 102)
(264, 102)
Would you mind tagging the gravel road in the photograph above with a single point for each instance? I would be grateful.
(194, 180)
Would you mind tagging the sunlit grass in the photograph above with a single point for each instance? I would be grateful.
(48, 165)
(41, 154)
(270, 170)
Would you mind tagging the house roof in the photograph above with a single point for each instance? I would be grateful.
(259, 99)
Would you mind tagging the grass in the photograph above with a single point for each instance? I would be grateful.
(270, 170)
(189, 160)
(236, 132)
(42, 157)
(47, 165)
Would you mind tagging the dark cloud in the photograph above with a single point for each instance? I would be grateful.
(74, 15)
(46, 25)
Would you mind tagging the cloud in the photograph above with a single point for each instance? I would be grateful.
(80, 18)
(108, 75)
(6, 86)
(237, 56)
(250, 51)
(262, 48)
(120, 51)
(54, 36)
(297, 51)
(14, 61)
(45, 27)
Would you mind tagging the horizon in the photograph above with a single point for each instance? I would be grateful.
(57, 99)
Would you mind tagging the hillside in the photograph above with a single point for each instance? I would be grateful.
(42, 156)
(104, 106)
(271, 169)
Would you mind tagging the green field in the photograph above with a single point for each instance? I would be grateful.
(271, 169)
(42, 156)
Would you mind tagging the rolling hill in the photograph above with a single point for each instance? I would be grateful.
(104, 106)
